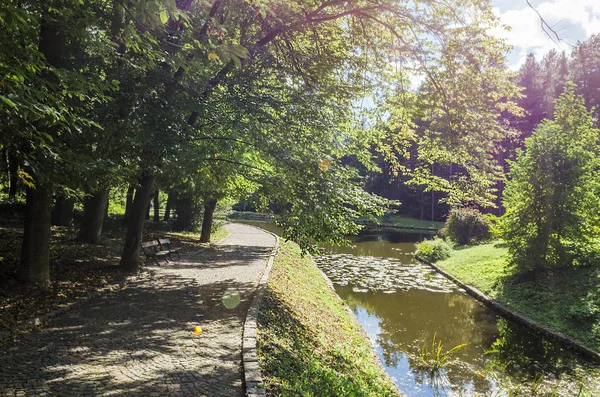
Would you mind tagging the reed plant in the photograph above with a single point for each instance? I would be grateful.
(434, 356)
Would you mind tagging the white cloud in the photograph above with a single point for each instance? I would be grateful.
(573, 20)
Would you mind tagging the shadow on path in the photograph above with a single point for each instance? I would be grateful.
(140, 341)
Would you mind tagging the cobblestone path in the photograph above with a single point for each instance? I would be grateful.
(140, 341)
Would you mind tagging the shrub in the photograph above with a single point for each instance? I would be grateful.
(434, 250)
(466, 226)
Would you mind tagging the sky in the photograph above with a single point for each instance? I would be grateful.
(573, 20)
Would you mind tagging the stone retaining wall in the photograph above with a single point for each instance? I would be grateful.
(525, 321)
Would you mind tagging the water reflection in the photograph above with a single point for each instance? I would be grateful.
(401, 304)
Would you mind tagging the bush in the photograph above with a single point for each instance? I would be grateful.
(466, 226)
(434, 250)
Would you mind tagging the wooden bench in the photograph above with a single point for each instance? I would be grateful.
(165, 245)
(152, 249)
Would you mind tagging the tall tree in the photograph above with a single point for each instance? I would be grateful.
(553, 195)
(532, 102)
(585, 73)
(44, 98)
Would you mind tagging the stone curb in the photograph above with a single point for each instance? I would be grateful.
(252, 374)
(30, 324)
(525, 321)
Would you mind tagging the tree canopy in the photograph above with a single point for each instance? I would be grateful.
(254, 94)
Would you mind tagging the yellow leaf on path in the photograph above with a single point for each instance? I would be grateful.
(213, 57)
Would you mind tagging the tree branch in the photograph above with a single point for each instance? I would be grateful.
(233, 162)
(545, 26)
(225, 138)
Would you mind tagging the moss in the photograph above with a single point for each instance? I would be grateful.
(308, 342)
(566, 299)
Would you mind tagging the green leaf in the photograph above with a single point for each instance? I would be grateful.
(236, 61)
(47, 136)
(240, 51)
(164, 17)
(8, 102)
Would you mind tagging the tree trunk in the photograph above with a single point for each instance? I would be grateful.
(4, 162)
(432, 205)
(35, 251)
(187, 213)
(422, 205)
(13, 176)
(131, 249)
(170, 201)
(62, 215)
(432, 196)
(94, 209)
(147, 215)
(207, 220)
(128, 202)
(156, 207)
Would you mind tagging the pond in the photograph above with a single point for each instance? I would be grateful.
(403, 305)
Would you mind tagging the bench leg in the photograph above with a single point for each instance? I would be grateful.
(156, 260)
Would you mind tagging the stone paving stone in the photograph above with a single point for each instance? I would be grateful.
(140, 341)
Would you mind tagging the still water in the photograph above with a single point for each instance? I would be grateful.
(401, 304)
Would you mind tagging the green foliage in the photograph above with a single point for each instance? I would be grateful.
(259, 99)
(466, 226)
(588, 309)
(434, 250)
(552, 197)
(494, 222)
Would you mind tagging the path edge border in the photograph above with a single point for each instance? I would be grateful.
(568, 342)
(253, 382)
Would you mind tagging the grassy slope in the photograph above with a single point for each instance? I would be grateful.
(308, 343)
(558, 298)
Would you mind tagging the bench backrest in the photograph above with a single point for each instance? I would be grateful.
(150, 246)
(164, 242)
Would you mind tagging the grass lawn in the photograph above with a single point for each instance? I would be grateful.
(403, 221)
(308, 343)
(218, 235)
(567, 299)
